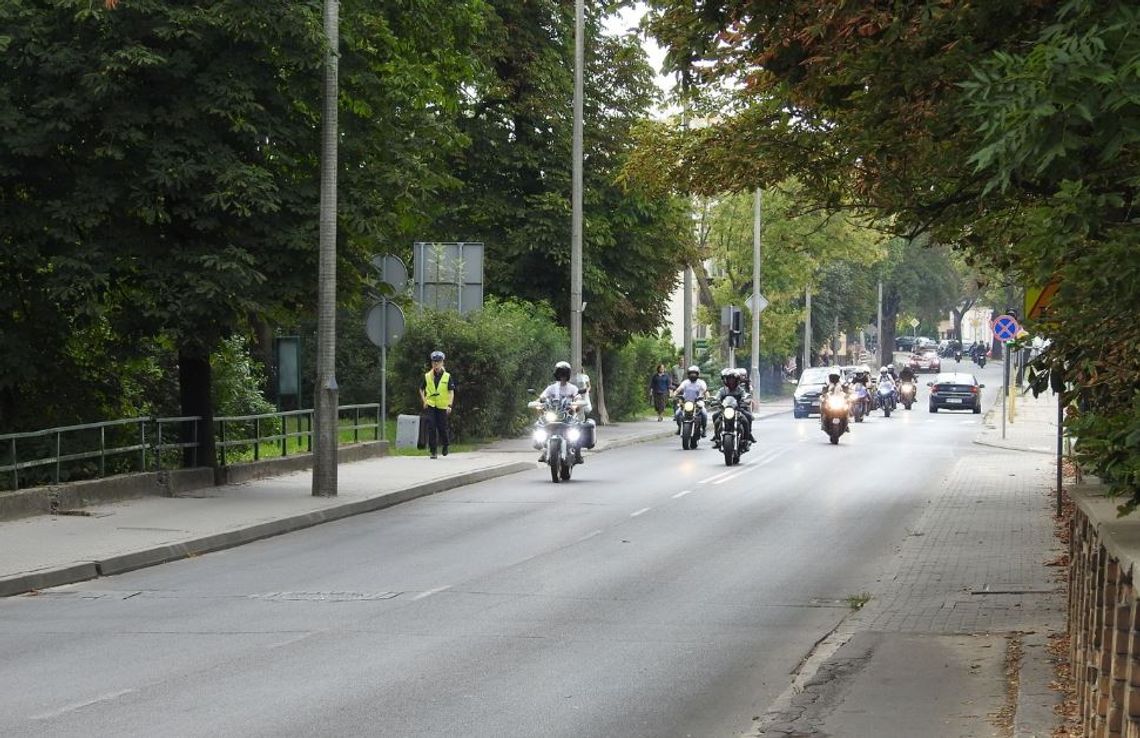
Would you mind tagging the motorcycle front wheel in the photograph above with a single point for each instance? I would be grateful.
(727, 445)
(554, 459)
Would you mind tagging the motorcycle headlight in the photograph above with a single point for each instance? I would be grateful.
(729, 413)
(551, 416)
(574, 434)
(689, 406)
(540, 436)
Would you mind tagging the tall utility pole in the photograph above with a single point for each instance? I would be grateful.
(807, 328)
(879, 328)
(756, 223)
(576, 195)
(325, 403)
(687, 298)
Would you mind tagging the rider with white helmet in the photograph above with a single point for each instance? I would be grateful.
(693, 388)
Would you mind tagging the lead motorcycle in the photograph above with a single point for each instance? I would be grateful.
(834, 409)
(906, 393)
(733, 434)
(692, 415)
(560, 434)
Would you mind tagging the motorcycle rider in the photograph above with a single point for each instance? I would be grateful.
(907, 374)
(694, 389)
(560, 389)
(892, 372)
(834, 386)
(887, 379)
(732, 385)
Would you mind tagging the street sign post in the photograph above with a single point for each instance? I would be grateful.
(914, 323)
(1005, 328)
(384, 322)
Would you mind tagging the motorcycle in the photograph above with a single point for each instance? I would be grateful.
(906, 394)
(834, 409)
(886, 400)
(957, 356)
(980, 360)
(559, 433)
(733, 434)
(692, 415)
(861, 405)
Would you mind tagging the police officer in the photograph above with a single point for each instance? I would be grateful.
(437, 392)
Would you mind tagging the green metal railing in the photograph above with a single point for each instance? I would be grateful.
(138, 444)
(257, 431)
(75, 443)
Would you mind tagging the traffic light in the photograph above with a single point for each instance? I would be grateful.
(735, 328)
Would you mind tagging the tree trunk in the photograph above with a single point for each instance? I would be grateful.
(599, 382)
(194, 390)
(891, 303)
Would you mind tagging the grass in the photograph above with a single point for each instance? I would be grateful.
(856, 602)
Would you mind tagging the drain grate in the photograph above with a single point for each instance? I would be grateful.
(325, 596)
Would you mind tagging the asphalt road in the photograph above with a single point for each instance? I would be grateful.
(656, 594)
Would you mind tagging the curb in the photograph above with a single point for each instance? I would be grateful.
(1034, 716)
(1022, 449)
(171, 552)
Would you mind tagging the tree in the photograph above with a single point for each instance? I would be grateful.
(516, 175)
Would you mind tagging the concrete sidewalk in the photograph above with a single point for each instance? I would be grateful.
(50, 550)
(953, 641)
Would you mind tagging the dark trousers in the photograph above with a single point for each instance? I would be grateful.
(437, 427)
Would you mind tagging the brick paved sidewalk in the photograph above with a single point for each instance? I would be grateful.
(927, 654)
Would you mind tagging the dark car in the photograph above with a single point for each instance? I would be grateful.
(904, 343)
(955, 391)
(805, 401)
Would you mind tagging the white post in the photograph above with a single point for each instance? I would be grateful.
(756, 224)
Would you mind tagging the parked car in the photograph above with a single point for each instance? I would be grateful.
(955, 391)
(805, 400)
(923, 343)
(926, 361)
(904, 343)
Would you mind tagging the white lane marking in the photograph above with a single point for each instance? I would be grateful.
(730, 477)
(642, 511)
(590, 535)
(80, 705)
(706, 480)
(682, 493)
(430, 592)
(765, 458)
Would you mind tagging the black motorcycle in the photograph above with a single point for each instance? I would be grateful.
(692, 415)
(834, 410)
(733, 431)
(906, 393)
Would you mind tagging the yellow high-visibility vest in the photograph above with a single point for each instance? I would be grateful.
(436, 395)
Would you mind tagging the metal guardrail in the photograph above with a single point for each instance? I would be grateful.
(145, 450)
(144, 436)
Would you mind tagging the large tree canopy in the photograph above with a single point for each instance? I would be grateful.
(1008, 129)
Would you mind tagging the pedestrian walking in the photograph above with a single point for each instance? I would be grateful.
(437, 392)
(659, 385)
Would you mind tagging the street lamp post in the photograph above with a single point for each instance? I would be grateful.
(325, 414)
(576, 195)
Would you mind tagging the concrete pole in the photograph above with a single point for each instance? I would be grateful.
(756, 224)
(325, 412)
(576, 196)
(879, 328)
(807, 328)
(688, 321)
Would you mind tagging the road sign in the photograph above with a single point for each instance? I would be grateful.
(384, 323)
(1005, 328)
(756, 302)
(914, 322)
(393, 274)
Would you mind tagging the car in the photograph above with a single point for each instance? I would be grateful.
(955, 391)
(904, 343)
(805, 400)
(922, 343)
(926, 361)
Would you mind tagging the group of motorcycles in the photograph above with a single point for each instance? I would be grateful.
(733, 435)
(836, 410)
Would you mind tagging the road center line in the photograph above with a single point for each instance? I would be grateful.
(642, 511)
(682, 493)
(80, 705)
(730, 477)
(590, 535)
(714, 476)
(430, 592)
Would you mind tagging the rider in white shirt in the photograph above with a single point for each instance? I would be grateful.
(561, 388)
(692, 389)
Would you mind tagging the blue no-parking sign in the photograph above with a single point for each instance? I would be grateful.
(1006, 328)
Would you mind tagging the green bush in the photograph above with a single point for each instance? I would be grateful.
(627, 371)
(237, 381)
(495, 354)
